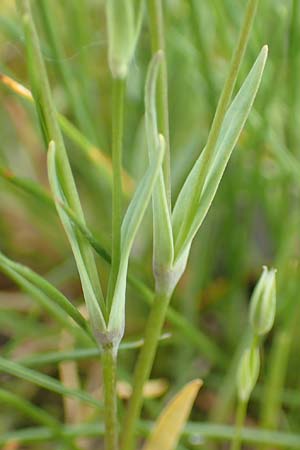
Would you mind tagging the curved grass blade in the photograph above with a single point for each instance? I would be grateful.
(28, 186)
(39, 415)
(41, 359)
(232, 126)
(45, 381)
(208, 431)
(47, 295)
(97, 156)
(48, 289)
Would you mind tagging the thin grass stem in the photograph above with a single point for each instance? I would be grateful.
(239, 422)
(109, 368)
(143, 367)
(222, 107)
(155, 9)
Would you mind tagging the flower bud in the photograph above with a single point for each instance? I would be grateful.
(263, 303)
(248, 373)
(121, 35)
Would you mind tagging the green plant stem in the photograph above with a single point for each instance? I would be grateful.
(109, 368)
(271, 405)
(203, 58)
(117, 138)
(76, 102)
(222, 107)
(240, 419)
(143, 367)
(155, 10)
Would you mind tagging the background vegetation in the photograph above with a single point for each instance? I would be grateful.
(254, 220)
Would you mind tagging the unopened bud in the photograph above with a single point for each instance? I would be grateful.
(263, 303)
(121, 35)
(248, 373)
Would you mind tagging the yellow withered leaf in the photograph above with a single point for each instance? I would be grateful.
(169, 425)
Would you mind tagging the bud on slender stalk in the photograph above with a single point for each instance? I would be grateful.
(121, 35)
(263, 303)
(248, 373)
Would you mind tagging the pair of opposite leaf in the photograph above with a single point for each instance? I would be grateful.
(174, 230)
(108, 326)
(173, 233)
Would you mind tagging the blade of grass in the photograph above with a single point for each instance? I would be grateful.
(41, 359)
(56, 304)
(54, 296)
(39, 415)
(77, 103)
(195, 431)
(94, 154)
(26, 185)
(44, 381)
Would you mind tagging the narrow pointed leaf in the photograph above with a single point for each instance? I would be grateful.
(170, 424)
(43, 359)
(92, 302)
(130, 225)
(39, 415)
(44, 381)
(232, 126)
(163, 251)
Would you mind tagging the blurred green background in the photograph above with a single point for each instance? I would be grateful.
(254, 220)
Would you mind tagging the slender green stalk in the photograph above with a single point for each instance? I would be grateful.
(76, 102)
(155, 10)
(275, 380)
(117, 138)
(143, 367)
(109, 368)
(220, 113)
(204, 62)
(239, 422)
(94, 154)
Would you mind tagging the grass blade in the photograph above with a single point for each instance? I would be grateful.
(45, 381)
(96, 156)
(46, 294)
